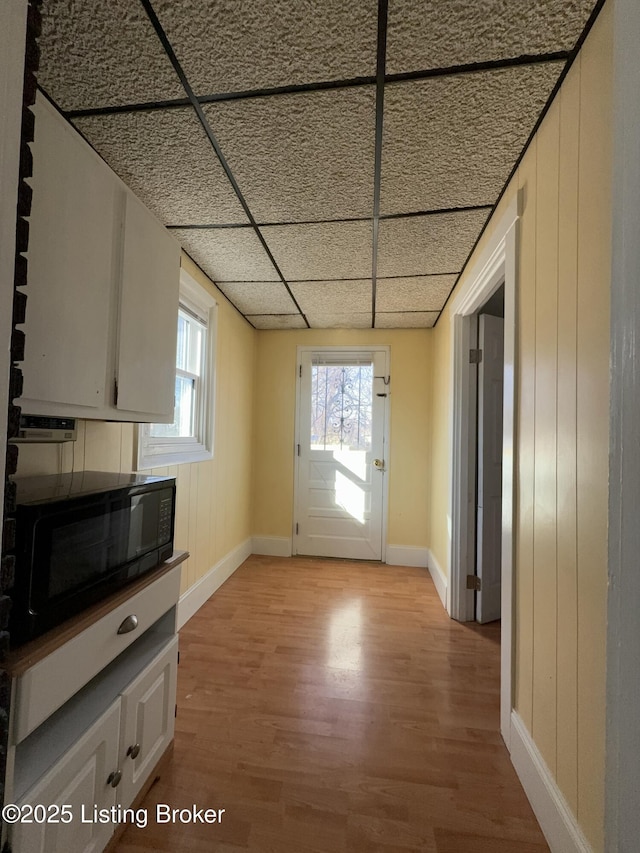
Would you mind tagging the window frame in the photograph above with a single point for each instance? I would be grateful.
(157, 451)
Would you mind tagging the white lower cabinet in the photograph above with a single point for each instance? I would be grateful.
(148, 718)
(106, 765)
(78, 780)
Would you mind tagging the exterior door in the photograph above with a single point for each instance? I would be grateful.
(489, 507)
(341, 454)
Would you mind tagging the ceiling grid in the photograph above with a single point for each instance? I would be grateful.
(383, 13)
(332, 165)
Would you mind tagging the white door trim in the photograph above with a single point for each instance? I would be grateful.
(495, 264)
(622, 778)
(387, 444)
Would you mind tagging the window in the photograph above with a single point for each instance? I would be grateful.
(190, 437)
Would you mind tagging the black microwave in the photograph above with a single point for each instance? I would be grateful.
(81, 536)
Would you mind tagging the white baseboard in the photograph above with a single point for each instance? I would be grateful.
(438, 577)
(407, 555)
(271, 546)
(556, 819)
(193, 599)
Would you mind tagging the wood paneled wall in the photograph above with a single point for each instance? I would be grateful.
(562, 430)
(561, 579)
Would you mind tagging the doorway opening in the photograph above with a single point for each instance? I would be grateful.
(489, 381)
(495, 268)
(340, 454)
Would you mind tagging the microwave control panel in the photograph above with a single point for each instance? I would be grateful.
(164, 521)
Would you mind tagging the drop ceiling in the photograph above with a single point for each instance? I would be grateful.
(327, 164)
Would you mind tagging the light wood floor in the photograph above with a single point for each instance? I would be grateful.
(332, 706)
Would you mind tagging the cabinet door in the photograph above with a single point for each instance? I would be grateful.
(79, 780)
(148, 720)
(148, 316)
(72, 264)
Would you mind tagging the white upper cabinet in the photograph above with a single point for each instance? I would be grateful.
(148, 314)
(102, 297)
(71, 267)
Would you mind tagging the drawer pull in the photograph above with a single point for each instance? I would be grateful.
(129, 624)
(134, 751)
(114, 778)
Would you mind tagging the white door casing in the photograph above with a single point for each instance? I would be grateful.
(622, 780)
(340, 489)
(489, 494)
(497, 263)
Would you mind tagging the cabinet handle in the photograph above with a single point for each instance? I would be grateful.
(114, 778)
(129, 624)
(134, 751)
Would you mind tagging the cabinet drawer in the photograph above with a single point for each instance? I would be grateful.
(47, 685)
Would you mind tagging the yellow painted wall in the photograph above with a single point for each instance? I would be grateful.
(213, 505)
(274, 428)
(440, 516)
(562, 430)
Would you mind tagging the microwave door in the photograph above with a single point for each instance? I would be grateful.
(136, 533)
(150, 521)
(143, 524)
(79, 555)
(75, 550)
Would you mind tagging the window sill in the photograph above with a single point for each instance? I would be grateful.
(198, 453)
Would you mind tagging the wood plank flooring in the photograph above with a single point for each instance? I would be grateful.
(332, 706)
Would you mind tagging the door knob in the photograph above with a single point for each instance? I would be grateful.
(379, 463)
(134, 750)
(114, 778)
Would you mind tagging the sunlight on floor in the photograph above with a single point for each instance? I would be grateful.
(345, 638)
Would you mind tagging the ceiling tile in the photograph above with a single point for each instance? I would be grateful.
(427, 245)
(259, 297)
(324, 297)
(419, 293)
(318, 320)
(406, 320)
(226, 46)
(442, 33)
(321, 251)
(227, 254)
(458, 137)
(166, 159)
(308, 156)
(277, 321)
(102, 54)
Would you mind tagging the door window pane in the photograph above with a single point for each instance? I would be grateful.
(341, 401)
